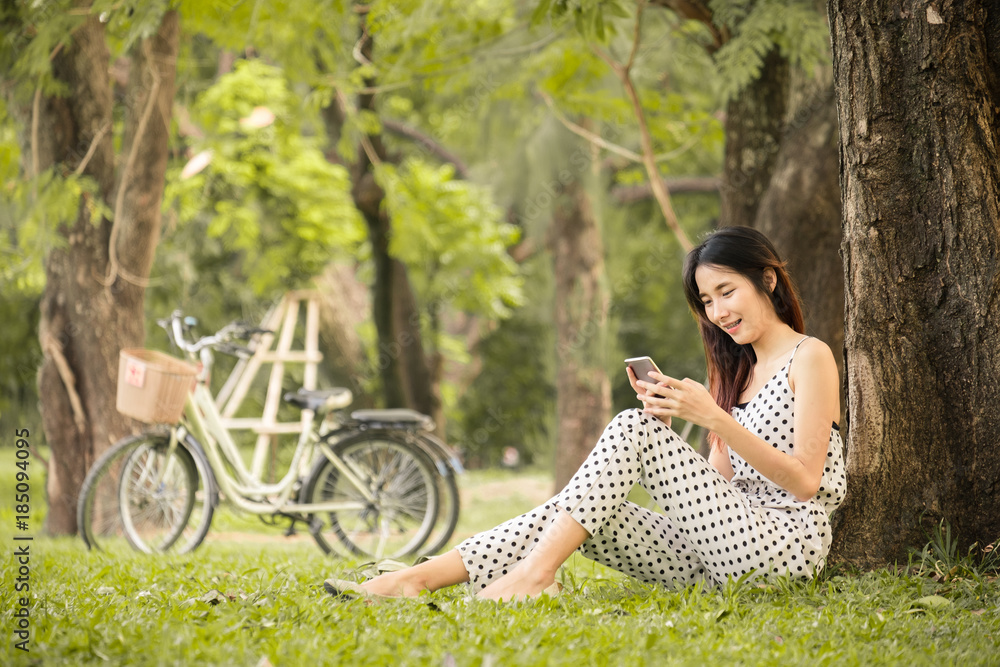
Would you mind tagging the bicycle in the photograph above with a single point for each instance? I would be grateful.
(379, 483)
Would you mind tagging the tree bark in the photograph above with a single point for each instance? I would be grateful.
(583, 400)
(918, 92)
(800, 211)
(753, 127)
(343, 308)
(406, 373)
(84, 323)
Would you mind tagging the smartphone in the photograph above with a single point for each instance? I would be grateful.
(641, 367)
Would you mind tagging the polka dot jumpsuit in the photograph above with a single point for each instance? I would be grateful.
(709, 528)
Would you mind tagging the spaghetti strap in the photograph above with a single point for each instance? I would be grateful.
(794, 350)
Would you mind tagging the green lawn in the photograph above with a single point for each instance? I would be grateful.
(260, 601)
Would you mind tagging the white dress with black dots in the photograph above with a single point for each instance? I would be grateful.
(710, 529)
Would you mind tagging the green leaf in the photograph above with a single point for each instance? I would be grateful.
(269, 194)
(541, 12)
(614, 8)
(795, 27)
(932, 602)
(452, 239)
(598, 21)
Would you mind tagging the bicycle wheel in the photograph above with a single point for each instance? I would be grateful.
(141, 494)
(448, 505)
(401, 481)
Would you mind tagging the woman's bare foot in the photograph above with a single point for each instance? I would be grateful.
(438, 572)
(522, 583)
(538, 570)
(399, 584)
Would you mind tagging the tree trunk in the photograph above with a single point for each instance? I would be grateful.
(918, 91)
(402, 363)
(583, 400)
(405, 371)
(753, 128)
(343, 308)
(800, 210)
(84, 323)
(400, 356)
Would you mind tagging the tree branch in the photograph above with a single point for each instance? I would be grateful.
(629, 194)
(53, 348)
(36, 104)
(636, 35)
(595, 139)
(90, 151)
(646, 140)
(38, 456)
(601, 142)
(697, 10)
(430, 144)
(347, 110)
(114, 268)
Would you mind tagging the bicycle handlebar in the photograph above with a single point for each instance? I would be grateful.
(176, 328)
(235, 350)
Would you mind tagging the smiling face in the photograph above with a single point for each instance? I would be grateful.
(734, 304)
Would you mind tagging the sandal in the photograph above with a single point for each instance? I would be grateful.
(555, 589)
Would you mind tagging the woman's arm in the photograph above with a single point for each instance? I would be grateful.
(813, 379)
(719, 458)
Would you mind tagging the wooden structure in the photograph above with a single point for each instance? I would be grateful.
(275, 349)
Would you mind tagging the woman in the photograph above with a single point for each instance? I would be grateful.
(761, 502)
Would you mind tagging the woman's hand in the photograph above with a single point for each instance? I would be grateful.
(642, 391)
(686, 399)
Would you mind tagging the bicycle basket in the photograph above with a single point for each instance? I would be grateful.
(152, 385)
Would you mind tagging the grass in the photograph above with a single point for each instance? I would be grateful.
(260, 602)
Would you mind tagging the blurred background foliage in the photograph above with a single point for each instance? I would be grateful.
(266, 97)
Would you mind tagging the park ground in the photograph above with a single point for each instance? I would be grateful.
(251, 596)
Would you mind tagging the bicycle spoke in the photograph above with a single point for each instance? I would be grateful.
(399, 502)
(157, 494)
(145, 491)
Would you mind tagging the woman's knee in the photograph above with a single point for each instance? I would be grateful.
(622, 430)
(640, 418)
(636, 424)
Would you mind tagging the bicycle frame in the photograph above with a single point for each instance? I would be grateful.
(202, 419)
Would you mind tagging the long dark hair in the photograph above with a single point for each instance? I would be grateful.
(749, 253)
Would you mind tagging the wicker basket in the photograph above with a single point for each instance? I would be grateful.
(152, 385)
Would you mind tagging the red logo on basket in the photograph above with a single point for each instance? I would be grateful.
(135, 372)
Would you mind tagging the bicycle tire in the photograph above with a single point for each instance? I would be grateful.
(403, 482)
(449, 504)
(174, 514)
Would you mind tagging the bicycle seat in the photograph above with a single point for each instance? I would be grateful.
(394, 417)
(320, 401)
